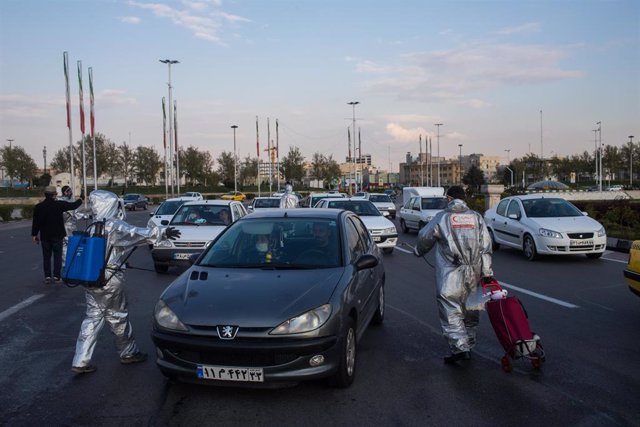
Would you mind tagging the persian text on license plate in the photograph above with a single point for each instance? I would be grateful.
(581, 243)
(181, 256)
(376, 239)
(230, 373)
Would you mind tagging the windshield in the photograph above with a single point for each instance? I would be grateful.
(130, 197)
(280, 243)
(169, 208)
(359, 207)
(313, 200)
(202, 215)
(434, 203)
(266, 203)
(380, 198)
(549, 208)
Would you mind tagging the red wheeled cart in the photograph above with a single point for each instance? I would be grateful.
(511, 324)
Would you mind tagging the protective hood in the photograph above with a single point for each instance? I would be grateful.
(106, 205)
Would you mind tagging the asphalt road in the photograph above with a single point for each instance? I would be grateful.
(587, 318)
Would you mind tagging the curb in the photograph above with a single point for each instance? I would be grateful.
(620, 245)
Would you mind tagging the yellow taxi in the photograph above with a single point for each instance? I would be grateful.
(632, 272)
(234, 195)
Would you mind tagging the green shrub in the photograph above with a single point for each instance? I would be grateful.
(27, 211)
(5, 212)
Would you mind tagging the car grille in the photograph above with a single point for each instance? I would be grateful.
(243, 358)
(576, 249)
(375, 232)
(189, 244)
(580, 235)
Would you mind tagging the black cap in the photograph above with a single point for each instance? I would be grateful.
(456, 192)
(65, 188)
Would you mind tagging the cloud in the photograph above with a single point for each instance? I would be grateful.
(204, 25)
(371, 67)
(22, 106)
(129, 19)
(114, 97)
(456, 75)
(402, 134)
(411, 118)
(531, 27)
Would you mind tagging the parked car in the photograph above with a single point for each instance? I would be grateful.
(537, 225)
(417, 211)
(264, 202)
(192, 195)
(384, 204)
(615, 188)
(200, 223)
(234, 195)
(361, 194)
(391, 193)
(383, 231)
(164, 212)
(632, 272)
(295, 311)
(134, 200)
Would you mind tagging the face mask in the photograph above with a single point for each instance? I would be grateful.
(262, 247)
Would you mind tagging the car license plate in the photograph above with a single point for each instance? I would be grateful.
(181, 256)
(230, 373)
(376, 239)
(581, 242)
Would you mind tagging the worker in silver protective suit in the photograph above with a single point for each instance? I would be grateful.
(463, 257)
(288, 199)
(109, 303)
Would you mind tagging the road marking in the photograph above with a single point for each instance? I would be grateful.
(537, 295)
(614, 260)
(8, 312)
(398, 248)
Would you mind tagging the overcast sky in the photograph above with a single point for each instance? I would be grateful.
(485, 69)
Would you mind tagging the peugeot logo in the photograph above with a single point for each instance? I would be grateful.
(227, 332)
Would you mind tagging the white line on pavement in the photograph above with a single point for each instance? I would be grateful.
(537, 295)
(8, 312)
(403, 250)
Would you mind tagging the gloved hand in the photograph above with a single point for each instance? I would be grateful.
(172, 233)
(488, 280)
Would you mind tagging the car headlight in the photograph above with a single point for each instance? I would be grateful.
(390, 230)
(164, 244)
(550, 233)
(151, 224)
(167, 318)
(306, 322)
(429, 218)
(602, 232)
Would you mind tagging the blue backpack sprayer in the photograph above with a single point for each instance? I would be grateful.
(87, 256)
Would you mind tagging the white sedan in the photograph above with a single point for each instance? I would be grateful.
(383, 232)
(543, 225)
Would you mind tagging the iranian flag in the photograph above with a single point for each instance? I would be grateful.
(164, 125)
(257, 139)
(65, 56)
(91, 117)
(81, 101)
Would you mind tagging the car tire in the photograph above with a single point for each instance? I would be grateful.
(378, 317)
(594, 256)
(133, 207)
(144, 206)
(403, 226)
(529, 248)
(494, 246)
(387, 250)
(160, 268)
(347, 353)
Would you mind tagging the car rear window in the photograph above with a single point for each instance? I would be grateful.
(434, 203)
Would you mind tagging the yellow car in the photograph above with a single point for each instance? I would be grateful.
(632, 273)
(234, 195)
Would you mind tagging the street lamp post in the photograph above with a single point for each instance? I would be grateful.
(600, 155)
(631, 162)
(44, 155)
(170, 62)
(460, 164)
(353, 161)
(438, 146)
(235, 160)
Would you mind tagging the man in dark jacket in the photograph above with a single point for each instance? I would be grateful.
(49, 224)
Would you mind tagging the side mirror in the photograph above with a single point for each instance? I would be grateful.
(585, 213)
(152, 213)
(164, 222)
(366, 261)
(514, 216)
(250, 208)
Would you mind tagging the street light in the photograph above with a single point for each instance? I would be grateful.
(600, 155)
(235, 160)
(170, 62)
(44, 155)
(508, 155)
(630, 162)
(353, 161)
(438, 145)
(460, 164)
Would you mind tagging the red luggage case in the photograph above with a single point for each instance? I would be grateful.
(511, 325)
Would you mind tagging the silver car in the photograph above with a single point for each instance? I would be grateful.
(280, 296)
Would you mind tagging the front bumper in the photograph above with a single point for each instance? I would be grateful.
(385, 241)
(632, 279)
(167, 256)
(282, 359)
(567, 246)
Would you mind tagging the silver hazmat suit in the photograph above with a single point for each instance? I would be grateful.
(463, 256)
(70, 219)
(109, 303)
(288, 199)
